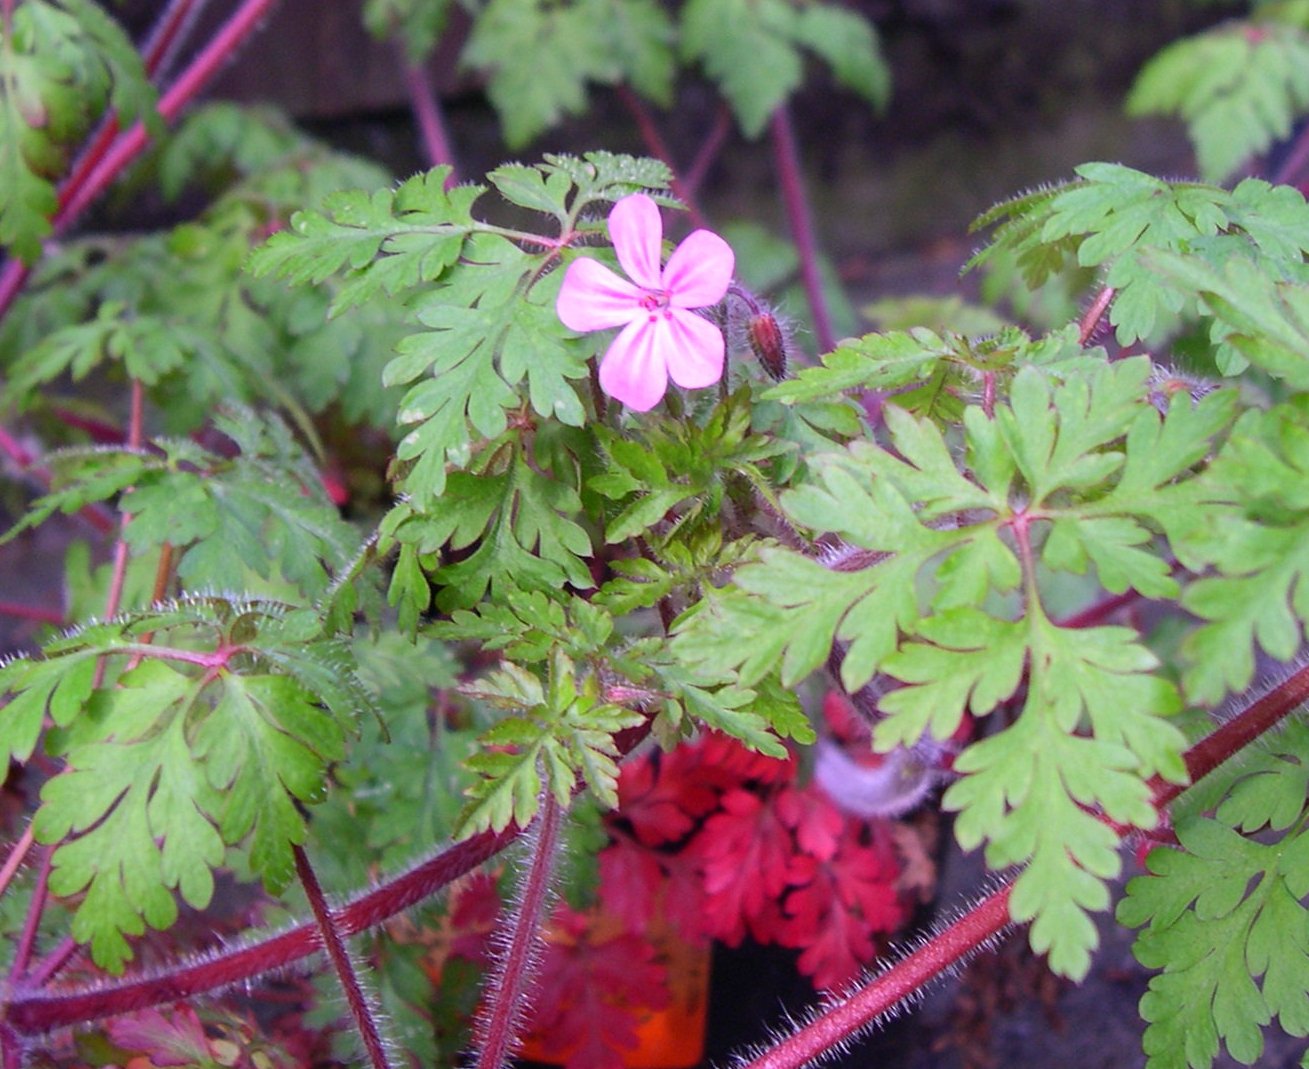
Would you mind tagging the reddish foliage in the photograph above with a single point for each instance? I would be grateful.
(746, 857)
(663, 798)
(592, 990)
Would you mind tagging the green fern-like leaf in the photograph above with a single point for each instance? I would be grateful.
(1238, 87)
(752, 49)
(1117, 219)
(1087, 472)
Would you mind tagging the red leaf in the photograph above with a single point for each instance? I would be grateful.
(841, 906)
(167, 1037)
(746, 855)
(724, 754)
(592, 992)
(630, 877)
(816, 822)
(474, 910)
(664, 795)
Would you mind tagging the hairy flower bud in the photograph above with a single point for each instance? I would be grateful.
(767, 343)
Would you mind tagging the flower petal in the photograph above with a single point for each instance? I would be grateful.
(633, 369)
(699, 270)
(594, 298)
(638, 236)
(691, 348)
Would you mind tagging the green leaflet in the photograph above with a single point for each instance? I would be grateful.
(671, 474)
(1118, 219)
(572, 44)
(560, 734)
(1223, 920)
(1075, 472)
(230, 518)
(387, 241)
(519, 525)
(1238, 87)
(752, 50)
(230, 719)
(1256, 539)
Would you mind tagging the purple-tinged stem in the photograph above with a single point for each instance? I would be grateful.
(704, 159)
(1294, 162)
(164, 39)
(786, 154)
(30, 612)
(334, 945)
(507, 985)
(1093, 614)
(15, 859)
(1234, 735)
(52, 963)
(947, 948)
(95, 514)
(990, 917)
(168, 34)
(27, 939)
(654, 141)
(32, 1013)
(74, 199)
(1090, 322)
(431, 122)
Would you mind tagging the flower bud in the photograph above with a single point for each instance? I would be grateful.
(767, 343)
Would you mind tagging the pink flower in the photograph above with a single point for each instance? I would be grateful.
(662, 337)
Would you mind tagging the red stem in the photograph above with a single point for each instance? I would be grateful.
(30, 612)
(54, 961)
(101, 172)
(787, 157)
(659, 148)
(31, 1013)
(96, 515)
(165, 36)
(340, 959)
(27, 940)
(989, 917)
(704, 159)
(431, 123)
(947, 948)
(505, 988)
(1091, 320)
(168, 34)
(1233, 736)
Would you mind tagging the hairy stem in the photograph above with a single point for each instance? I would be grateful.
(340, 959)
(905, 978)
(15, 859)
(52, 962)
(27, 939)
(787, 157)
(30, 1012)
(96, 514)
(990, 917)
(514, 969)
(1090, 321)
(1232, 737)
